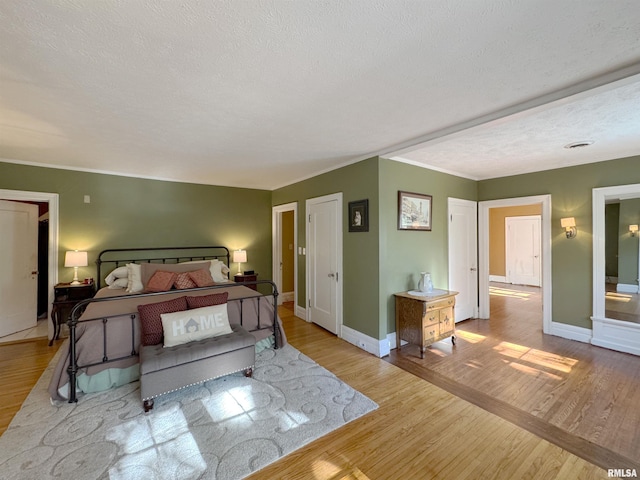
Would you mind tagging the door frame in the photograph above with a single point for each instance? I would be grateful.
(451, 201)
(508, 253)
(545, 240)
(276, 216)
(339, 232)
(53, 200)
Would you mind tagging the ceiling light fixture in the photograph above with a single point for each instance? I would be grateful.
(584, 143)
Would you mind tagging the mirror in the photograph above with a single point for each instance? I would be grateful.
(616, 268)
(621, 260)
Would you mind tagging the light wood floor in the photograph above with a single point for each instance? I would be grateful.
(581, 397)
(419, 431)
(21, 365)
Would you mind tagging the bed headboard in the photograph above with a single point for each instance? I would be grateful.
(117, 257)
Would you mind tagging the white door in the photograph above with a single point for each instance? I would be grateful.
(19, 266)
(463, 256)
(523, 250)
(324, 261)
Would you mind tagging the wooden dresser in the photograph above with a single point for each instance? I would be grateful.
(423, 320)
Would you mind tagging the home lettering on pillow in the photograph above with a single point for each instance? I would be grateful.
(201, 322)
(196, 324)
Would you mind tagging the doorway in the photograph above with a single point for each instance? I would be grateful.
(545, 247)
(53, 202)
(285, 245)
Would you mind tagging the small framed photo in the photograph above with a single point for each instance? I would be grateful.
(359, 216)
(414, 211)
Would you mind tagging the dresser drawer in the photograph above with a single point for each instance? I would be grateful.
(447, 302)
(432, 316)
(430, 334)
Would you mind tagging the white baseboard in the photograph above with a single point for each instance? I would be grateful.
(301, 312)
(616, 335)
(379, 348)
(286, 296)
(571, 332)
(626, 288)
(498, 278)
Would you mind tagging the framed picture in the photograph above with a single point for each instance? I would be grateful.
(359, 216)
(414, 211)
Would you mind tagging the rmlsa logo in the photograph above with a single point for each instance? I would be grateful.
(622, 473)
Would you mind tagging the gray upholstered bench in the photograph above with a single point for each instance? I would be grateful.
(164, 370)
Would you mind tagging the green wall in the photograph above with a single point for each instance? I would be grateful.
(360, 249)
(571, 196)
(384, 260)
(612, 225)
(404, 254)
(130, 212)
(628, 245)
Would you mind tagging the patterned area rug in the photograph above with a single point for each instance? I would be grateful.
(224, 429)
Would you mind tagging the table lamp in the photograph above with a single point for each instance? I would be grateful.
(240, 257)
(75, 259)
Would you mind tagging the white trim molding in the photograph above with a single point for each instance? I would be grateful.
(626, 288)
(498, 278)
(379, 348)
(616, 335)
(276, 215)
(571, 332)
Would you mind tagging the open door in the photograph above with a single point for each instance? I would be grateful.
(19, 260)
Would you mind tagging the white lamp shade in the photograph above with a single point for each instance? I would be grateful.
(568, 222)
(240, 256)
(75, 259)
(633, 228)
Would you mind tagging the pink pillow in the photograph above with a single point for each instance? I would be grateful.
(207, 300)
(161, 281)
(183, 280)
(151, 322)
(202, 278)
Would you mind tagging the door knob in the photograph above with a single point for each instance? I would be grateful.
(473, 269)
(332, 275)
(34, 273)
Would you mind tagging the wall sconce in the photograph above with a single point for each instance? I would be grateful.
(239, 257)
(633, 229)
(75, 259)
(569, 224)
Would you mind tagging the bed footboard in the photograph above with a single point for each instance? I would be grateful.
(254, 315)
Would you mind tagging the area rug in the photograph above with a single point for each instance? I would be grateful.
(223, 429)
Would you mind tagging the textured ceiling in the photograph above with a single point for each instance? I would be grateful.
(262, 94)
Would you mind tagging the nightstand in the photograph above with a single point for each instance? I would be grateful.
(66, 296)
(242, 278)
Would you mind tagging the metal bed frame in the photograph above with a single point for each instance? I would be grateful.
(186, 254)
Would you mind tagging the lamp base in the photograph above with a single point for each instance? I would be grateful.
(75, 280)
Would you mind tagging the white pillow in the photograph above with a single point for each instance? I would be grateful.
(119, 283)
(135, 278)
(196, 324)
(120, 272)
(219, 271)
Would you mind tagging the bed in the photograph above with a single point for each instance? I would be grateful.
(105, 332)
